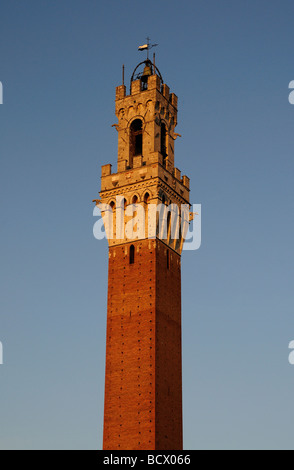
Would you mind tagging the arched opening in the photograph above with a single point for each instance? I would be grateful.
(112, 205)
(136, 139)
(163, 142)
(135, 199)
(146, 198)
(123, 203)
(132, 254)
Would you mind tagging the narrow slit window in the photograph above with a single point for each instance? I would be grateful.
(163, 142)
(168, 226)
(132, 254)
(167, 259)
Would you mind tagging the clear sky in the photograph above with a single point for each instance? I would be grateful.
(230, 63)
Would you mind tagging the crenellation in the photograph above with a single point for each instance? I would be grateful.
(137, 161)
(154, 82)
(136, 87)
(174, 100)
(177, 174)
(165, 91)
(106, 170)
(186, 181)
(120, 92)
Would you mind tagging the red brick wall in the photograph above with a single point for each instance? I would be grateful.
(143, 402)
(168, 376)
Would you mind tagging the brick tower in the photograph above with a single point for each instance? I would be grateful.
(143, 379)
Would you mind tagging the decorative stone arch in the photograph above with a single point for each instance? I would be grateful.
(121, 114)
(164, 121)
(140, 108)
(149, 106)
(125, 202)
(147, 195)
(130, 110)
(163, 196)
(112, 203)
(133, 118)
(135, 198)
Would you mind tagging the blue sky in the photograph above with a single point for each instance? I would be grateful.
(230, 63)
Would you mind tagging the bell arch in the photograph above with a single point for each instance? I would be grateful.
(136, 139)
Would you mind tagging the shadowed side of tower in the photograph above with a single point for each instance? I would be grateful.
(143, 379)
(168, 364)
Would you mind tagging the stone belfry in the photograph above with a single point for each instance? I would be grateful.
(143, 379)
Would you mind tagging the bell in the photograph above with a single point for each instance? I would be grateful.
(147, 70)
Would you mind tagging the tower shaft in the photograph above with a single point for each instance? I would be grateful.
(143, 379)
(143, 384)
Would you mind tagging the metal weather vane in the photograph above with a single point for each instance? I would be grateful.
(147, 47)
